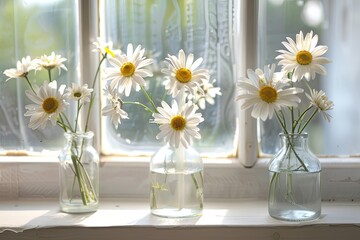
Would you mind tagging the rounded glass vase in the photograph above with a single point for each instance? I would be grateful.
(294, 181)
(79, 174)
(176, 176)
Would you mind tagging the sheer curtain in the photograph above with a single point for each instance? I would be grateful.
(33, 28)
(336, 23)
(203, 27)
(342, 83)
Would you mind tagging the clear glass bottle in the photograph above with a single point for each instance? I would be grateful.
(79, 174)
(294, 181)
(176, 183)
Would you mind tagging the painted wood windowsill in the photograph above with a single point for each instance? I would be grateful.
(131, 219)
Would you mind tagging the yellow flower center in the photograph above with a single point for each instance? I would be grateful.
(304, 57)
(108, 51)
(50, 105)
(268, 94)
(183, 75)
(77, 94)
(178, 123)
(127, 69)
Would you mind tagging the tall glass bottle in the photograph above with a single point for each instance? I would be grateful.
(294, 181)
(79, 174)
(176, 183)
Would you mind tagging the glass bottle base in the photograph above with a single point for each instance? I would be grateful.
(176, 213)
(78, 207)
(295, 215)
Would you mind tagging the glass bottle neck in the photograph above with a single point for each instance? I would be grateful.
(79, 139)
(296, 140)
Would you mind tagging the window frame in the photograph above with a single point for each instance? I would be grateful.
(233, 150)
(239, 177)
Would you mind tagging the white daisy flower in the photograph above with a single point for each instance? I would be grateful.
(79, 93)
(52, 61)
(183, 73)
(105, 48)
(264, 94)
(319, 100)
(111, 93)
(128, 70)
(49, 102)
(178, 126)
(115, 108)
(22, 69)
(303, 57)
(207, 95)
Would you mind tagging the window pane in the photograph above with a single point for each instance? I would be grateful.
(33, 28)
(336, 23)
(203, 27)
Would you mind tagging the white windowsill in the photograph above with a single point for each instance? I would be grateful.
(131, 219)
(124, 218)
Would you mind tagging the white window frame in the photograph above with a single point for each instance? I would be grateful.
(128, 177)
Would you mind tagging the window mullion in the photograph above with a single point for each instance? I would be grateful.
(88, 31)
(246, 37)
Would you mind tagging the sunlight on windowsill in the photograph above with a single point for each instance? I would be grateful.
(42, 213)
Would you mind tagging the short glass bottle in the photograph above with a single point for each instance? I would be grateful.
(176, 183)
(79, 174)
(294, 181)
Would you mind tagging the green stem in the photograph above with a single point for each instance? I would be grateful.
(88, 115)
(81, 188)
(149, 98)
(275, 175)
(299, 120)
(140, 104)
(61, 124)
(81, 174)
(289, 188)
(292, 119)
(307, 122)
(308, 85)
(283, 118)
(297, 156)
(73, 186)
(28, 81)
(49, 73)
(92, 93)
(153, 190)
(291, 145)
(164, 95)
(67, 121)
(88, 179)
(198, 189)
(281, 122)
(77, 114)
(290, 75)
